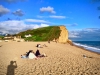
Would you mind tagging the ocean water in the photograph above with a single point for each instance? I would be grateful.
(89, 45)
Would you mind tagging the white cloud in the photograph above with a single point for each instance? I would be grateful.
(57, 17)
(18, 12)
(73, 34)
(88, 34)
(47, 9)
(15, 26)
(44, 25)
(90, 29)
(52, 16)
(3, 10)
(36, 21)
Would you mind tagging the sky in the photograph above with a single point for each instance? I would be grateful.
(80, 17)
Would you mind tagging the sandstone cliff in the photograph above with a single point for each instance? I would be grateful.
(63, 38)
(63, 35)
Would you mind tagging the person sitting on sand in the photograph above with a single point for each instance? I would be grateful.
(40, 55)
(32, 55)
(37, 53)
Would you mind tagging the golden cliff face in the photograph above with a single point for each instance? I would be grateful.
(63, 35)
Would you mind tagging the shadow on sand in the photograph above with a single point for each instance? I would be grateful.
(11, 68)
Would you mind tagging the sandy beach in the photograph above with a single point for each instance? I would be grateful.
(62, 59)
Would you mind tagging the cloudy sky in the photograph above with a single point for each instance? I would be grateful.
(81, 17)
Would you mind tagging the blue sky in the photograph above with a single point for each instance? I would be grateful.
(81, 17)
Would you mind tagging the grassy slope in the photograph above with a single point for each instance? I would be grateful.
(1, 37)
(42, 34)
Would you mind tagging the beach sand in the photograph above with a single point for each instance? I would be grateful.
(62, 59)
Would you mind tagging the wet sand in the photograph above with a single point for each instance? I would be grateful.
(62, 59)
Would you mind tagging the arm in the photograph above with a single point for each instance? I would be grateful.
(15, 64)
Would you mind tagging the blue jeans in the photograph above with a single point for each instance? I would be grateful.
(24, 56)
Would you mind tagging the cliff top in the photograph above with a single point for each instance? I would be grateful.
(42, 34)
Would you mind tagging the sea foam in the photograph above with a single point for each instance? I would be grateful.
(94, 49)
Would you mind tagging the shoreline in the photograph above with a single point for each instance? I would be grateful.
(90, 50)
(87, 50)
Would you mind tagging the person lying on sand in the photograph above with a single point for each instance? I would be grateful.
(40, 55)
(26, 55)
(32, 55)
(39, 46)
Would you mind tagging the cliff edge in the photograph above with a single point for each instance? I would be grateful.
(63, 35)
(63, 38)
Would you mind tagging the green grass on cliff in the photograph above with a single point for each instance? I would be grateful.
(1, 37)
(42, 34)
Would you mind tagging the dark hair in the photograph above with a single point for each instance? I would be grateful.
(37, 53)
(28, 53)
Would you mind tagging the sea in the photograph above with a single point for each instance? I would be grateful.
(93, 46)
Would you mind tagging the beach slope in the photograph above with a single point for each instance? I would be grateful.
(62, 59)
